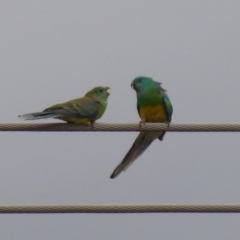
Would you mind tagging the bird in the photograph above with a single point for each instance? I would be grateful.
(153, 105)
(85, 110)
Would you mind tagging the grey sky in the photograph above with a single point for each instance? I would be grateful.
(54, 51)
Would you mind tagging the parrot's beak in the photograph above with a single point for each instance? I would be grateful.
(107, 88)
(133, 85)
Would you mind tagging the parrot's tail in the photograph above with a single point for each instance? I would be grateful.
(139, 146)
(39, 115)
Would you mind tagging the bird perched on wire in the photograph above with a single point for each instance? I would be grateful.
(85, 110)
(153, 105)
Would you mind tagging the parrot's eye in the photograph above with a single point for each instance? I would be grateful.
(139, 80)
(100, 90)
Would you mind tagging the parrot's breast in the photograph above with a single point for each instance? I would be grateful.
(153, 114)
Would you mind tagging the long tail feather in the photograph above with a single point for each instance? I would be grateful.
(139, 146)
(39, 115)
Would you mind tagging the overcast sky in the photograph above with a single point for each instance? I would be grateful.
(54, 51)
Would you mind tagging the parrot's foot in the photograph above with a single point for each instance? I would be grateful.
(140, 123)
(91, 124)
(168, 124)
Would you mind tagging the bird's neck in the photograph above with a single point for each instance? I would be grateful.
(100, 100)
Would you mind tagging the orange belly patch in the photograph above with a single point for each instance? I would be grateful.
(153, 114)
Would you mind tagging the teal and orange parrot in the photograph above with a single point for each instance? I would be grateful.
(153, 105)
(85, 110)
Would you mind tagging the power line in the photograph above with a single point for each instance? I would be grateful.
(121, 209)
(118, 127)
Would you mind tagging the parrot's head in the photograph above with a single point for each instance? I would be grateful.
(141, 84)
(99, 92)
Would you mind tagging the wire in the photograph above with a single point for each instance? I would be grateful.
(121, 209)
(123, 127)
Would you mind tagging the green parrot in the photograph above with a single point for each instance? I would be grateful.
(153, 105)
(85, 110)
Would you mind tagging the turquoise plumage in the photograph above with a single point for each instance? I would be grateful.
(153, 105)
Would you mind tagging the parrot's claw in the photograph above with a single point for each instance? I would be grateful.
(140, 123)
(168, 124)
(91, 124)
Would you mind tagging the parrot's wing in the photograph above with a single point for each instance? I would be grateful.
(169, 110)
(81, 107)
(168, 107)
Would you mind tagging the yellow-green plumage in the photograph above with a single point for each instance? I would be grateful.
(85, 110)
